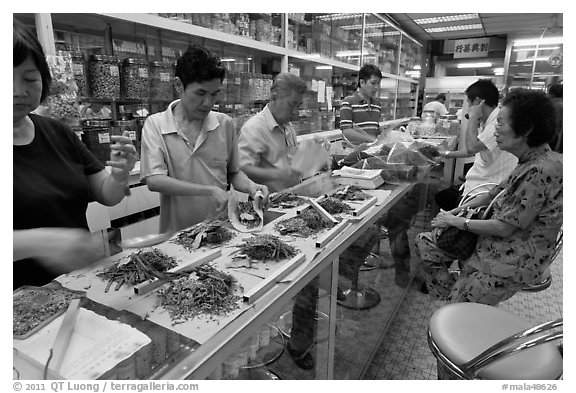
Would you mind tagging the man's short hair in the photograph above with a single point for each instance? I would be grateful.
(198, 64)
(286, 83)
(441, 97)
(485, 90)
(366, 71)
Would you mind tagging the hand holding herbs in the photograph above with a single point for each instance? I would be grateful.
(140, 266)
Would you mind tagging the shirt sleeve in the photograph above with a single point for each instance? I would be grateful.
(234, 154)
(522, 206)
(249, 146)
(346, 115)
(152, 156)
(487, 135)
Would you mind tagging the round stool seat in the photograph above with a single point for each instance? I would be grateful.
(462, 331)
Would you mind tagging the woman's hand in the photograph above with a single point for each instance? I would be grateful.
(443, 220)
(122, 157)
(63, 250)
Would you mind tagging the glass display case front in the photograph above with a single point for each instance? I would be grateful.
(535, 66)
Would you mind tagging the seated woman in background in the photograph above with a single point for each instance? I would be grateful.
(515, 244)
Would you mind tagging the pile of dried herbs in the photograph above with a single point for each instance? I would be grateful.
(247, 215)
(32, 307)
(352, 193)
(306, 223)
(211, 293)
(207, 233)
(334, 205)
(286, 200)
(141, 266)
(266, 247)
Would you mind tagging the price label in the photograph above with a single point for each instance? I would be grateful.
(164, 77)
(77, 69)
(143, 72)
(132, 135)
(103, 137)
(114, 70)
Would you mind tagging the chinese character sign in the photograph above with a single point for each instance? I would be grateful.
(473, 47)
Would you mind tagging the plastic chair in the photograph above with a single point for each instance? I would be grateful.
(477, 341)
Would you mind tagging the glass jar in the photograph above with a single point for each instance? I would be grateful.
(134, 79)
(428, 125)
(104, 77)
(96, 136)
(119, 126)
(161, 77)
(79, 70)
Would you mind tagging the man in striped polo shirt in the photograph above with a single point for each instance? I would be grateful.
(360, 112)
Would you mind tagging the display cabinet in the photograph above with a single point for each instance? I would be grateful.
(253, 46)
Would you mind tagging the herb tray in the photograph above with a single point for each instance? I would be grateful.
(35, 307)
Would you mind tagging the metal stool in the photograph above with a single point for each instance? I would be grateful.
(477, 341)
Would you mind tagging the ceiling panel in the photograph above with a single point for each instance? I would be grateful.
(509, 24)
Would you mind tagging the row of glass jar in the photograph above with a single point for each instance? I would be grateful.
(106, 78)
(95, 133)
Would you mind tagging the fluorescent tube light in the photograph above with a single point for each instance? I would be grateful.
(473, 65)
(453, 28)
(447, 18)
(324, 67)
(539, 41)
(534, 48)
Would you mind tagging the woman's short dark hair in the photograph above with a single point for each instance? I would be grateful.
(367, 71)
(27, 45)
(198, 64)
(531, 114)
(485, 90)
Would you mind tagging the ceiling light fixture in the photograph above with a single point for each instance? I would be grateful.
(473, 65)
(339, 16)
(454, 28)
(534, 48)
(368, 26)
(324, 67)
(538, 41)
(446, 18)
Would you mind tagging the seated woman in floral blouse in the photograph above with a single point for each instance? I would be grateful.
(515, 244)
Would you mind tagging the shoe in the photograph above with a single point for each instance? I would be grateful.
(303, 359)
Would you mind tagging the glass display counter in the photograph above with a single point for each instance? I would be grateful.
(226, 347)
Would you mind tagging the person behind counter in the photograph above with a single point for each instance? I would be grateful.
(491, 164)
(54, 177)
(515, 244)
(95, 110)
(438, 106)
(190, 153)
(268, 142)
(360, 112)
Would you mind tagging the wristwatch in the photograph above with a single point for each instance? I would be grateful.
(467, 225)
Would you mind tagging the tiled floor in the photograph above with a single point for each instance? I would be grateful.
(404, 352)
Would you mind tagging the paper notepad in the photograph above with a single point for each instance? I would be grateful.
(97, 345)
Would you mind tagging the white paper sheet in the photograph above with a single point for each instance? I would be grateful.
(97, 345)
